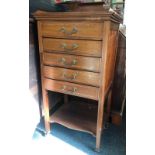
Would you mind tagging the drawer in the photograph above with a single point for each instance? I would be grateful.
(78, 47)
(71, 61)
(72, 29)
(76, 76)
(71, 89)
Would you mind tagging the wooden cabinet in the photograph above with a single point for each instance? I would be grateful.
(78, 53)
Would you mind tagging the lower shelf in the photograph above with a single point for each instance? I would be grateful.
(77, 116)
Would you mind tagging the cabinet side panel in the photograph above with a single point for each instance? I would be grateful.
(111, 58)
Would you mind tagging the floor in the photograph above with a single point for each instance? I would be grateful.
(62, 140)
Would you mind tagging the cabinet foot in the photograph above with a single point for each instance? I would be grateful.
(97, 150)
(46, 133)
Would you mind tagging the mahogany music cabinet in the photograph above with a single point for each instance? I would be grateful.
(77, 53)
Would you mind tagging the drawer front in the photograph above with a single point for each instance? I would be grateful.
(76, 76)
(72, 29)
(73, 62)
(78, 47)
(72, 89)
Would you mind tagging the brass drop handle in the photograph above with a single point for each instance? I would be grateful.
(72, 91)
(64, 62)
(72, 77)
(73, 31)
(73, 46)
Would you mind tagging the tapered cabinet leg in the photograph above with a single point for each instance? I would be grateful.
(98, 141)
(46, 111)
(99, 124)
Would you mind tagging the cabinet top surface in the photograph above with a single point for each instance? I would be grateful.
(91, 15)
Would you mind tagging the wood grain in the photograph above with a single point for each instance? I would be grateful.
(71, 116)
(111, 58)
(83, 63)
(45, 103)
(74, 76)
(97, 16)
(84, 29)
(107, 74)
(86, 48)
(81, 90)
